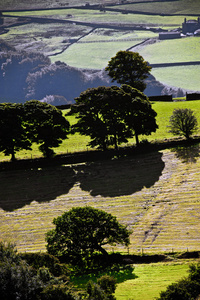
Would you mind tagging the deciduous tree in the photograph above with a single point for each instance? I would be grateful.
(128, 67)
(47, 126)
(13, 129)
(111, 115)
(183, 122)
(82, 231)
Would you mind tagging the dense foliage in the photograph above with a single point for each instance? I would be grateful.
(111, 115)
(25, 76)
(82, 231)
(13, 129)
(35, 121)
(183, 122)
(47, 126)
(29, 276)
(128, 67)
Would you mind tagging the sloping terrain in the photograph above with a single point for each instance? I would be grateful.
(156, 195)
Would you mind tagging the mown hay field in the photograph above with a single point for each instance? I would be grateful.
(156, 195)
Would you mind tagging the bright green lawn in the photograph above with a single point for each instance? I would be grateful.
(151, 280)
(185, 77)
(171, 51)
(164, 111)
(91, 55)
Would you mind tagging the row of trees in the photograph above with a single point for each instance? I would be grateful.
(109, 115)
(32, 122)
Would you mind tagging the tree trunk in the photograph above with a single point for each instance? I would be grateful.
(136, 139)
(13, 155)
(102, 250)
(115, 141)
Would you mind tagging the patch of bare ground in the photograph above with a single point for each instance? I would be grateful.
(155, 194)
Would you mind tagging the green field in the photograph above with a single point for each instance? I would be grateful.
(76, 143)
(183, 77)
(178, 50)
(159, 201)
(166, 7)
(93, 51)
(150, 280)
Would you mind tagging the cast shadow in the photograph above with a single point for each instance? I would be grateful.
(19, 188)
(123, 176)
(187, 154)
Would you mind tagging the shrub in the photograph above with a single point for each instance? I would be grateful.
(183, 122)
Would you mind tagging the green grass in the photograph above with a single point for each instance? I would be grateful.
(93, 55)
(178, 50)
(159, 201)
(145, 282)
(24, 4)
(76, 142)
(168, 7)
(164, 111)
(109, 17)
(150, 280)
(179, 76)
(97, 54)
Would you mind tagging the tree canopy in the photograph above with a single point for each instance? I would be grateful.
(13, 129)
(82, 231)
(111, 115)
(183, 122)
(47, 126)
(128, 67)
(35, 121)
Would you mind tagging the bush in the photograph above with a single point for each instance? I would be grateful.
(38, 260)
(57, 292)
(102, 290)
(183, 122)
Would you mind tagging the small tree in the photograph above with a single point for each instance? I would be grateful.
(47, 126)
(128, 67)
(83, 230)
(183, 122)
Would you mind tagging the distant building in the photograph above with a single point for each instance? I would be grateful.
(190, 26)
(169, 35)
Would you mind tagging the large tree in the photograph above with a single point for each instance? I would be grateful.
(128, 67)
(13, 129)
(111, 115)
(183, 122)
(47, 126)
(140, 117)
(82, 231)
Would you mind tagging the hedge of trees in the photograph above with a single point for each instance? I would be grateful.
(35, 121)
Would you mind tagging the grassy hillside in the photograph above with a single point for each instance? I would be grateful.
(166, 7)
(156, 195)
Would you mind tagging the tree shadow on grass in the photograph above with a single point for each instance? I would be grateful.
(19, 188)
(187, 154)
(118, 177)
(123, 176)
(124, 274)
